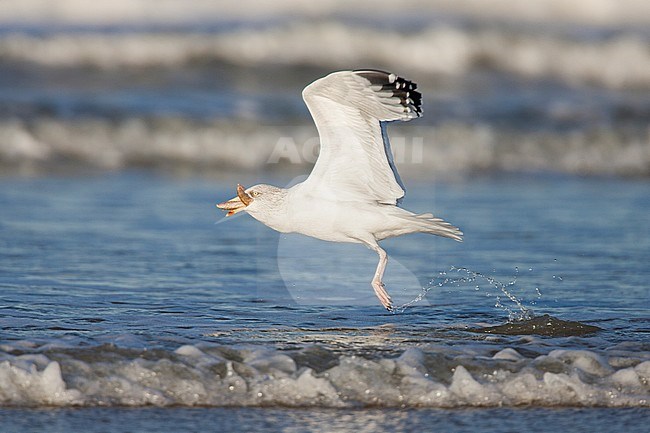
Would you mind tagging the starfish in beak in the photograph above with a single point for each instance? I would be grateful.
(236, 204)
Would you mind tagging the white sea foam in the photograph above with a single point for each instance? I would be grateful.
(222, 376)
(23, 383)
(449, 148)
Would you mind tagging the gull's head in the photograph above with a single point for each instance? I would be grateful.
(256, 198)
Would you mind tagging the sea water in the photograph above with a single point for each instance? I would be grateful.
(119, 290)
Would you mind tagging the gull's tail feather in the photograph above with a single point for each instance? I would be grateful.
(437, 226)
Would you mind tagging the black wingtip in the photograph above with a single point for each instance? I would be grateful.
(402, 88)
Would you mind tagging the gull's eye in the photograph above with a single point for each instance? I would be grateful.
(254, 193)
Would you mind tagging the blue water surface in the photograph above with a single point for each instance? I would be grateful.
(140, 255)
(143, 262)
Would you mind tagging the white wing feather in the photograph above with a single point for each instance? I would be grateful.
(349, 109)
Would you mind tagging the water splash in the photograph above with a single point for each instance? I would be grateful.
(458, 276)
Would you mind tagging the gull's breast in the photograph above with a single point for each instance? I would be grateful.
(336, 221)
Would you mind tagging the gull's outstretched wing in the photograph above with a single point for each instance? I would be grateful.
(350, 109)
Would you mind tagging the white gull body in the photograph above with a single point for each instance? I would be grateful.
(353, 192)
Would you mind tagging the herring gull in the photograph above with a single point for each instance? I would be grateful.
(354, 191)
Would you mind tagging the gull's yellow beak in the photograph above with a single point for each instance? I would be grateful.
(236, 204)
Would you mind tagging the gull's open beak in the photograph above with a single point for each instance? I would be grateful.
(236, 204)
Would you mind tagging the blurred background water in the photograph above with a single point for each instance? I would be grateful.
(205, 86)
(122, 123)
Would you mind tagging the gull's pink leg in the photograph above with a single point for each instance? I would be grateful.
(380, 289)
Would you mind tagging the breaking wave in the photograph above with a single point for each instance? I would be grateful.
(601, 12)
(210, 375)
(446, 149)
(438, 49)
